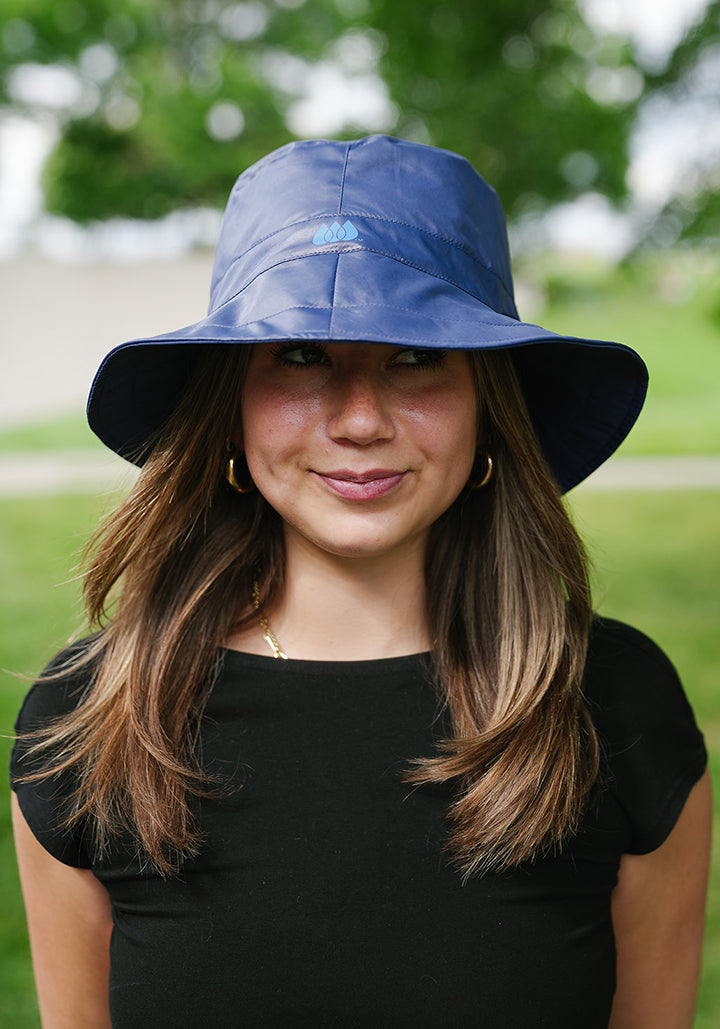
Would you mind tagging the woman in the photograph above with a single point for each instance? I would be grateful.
(350, 748)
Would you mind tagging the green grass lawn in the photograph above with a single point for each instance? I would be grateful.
(68, 432)
(657, 566)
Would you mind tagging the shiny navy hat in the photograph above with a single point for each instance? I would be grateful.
(382, 241)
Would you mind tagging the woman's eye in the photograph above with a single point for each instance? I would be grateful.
(420, 358)
(299, 356)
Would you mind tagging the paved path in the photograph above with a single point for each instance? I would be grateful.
(656, 473)
(63, 471)
(35, 474)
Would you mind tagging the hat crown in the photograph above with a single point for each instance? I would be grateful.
(420, 205)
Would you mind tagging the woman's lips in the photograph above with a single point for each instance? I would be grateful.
(362, 486)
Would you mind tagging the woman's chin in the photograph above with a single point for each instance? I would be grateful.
(357, 542)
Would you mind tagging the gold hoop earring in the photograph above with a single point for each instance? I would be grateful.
(486, 477)
(232, 480)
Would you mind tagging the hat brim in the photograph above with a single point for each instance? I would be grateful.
(583, 395)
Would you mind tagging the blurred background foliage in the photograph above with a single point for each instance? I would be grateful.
(160, 103)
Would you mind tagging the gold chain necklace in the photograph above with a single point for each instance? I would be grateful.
(267, 632)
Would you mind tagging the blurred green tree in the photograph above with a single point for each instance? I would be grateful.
(165, 101)
(691, 80)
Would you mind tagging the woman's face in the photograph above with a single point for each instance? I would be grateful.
(359, 447)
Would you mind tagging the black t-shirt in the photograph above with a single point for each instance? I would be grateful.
(321, 896)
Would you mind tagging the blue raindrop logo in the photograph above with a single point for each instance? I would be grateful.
(336, 233)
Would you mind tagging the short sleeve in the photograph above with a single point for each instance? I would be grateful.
(45, 803)
(653, 749)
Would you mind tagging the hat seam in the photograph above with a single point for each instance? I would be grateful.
(355, 250)
(456, 244)
(343, 177)
(334, 290)
(546, 336)
(371, 217)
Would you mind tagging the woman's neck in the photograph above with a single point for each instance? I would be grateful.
(346, 609)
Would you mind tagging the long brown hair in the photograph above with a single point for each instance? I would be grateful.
(170, 575)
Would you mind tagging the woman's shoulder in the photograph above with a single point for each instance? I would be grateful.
(623, 662)
(46, 801)
(630, 681)
(652, 748)
(611, 640)
(61, 685)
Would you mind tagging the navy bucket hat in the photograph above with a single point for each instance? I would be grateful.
(381, 241)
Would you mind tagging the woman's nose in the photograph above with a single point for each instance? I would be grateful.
(360, 411)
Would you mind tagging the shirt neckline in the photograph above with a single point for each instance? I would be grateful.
(240, 659)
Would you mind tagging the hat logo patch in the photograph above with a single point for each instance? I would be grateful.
(337, 233)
